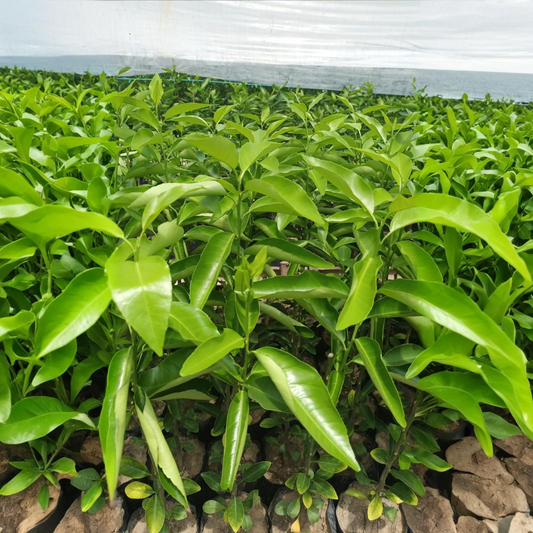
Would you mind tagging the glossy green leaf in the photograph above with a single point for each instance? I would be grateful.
(73, 312)
(218, 147)
(5, 389)
(191, 323)
(348, 182)
(208, 268)
(459, 214)
(56, 363)
(20, 482)
(288, 251)
(142, 290)
(159, 450)
(234, 438)
(211, 351)
(21, 320)
(371, 354)
(53, 221)
(288, 193)
(362, 293)
(112, 424)
(458, 391)
(234, 514)
(307, 397)
(19, 249)
(422, 264)
(308, 284)
(34, 417)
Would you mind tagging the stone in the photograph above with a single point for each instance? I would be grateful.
(469, 524)
(468, 456)
(109, 519)
(521, 523)
(21, 512)
(352, 516)
(135, 451)
(472, 495)
(137, 523)
(433, 513)
(523, 473)
(515, 445)
(193, 458)
(282, 524)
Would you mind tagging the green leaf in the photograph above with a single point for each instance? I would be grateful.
(454, 390)
(459, 214)
(420, 262)
(132, 468)
(139, 491)
(348, 182)
(308, 284)
(218, 147)
(20, 482)
(191, 323)
(64, 466)
(208, 269)
(142, 291)
(287, 193)
(362, 293)
(234, 438)
(375, 509)
(5, 389)
(53, 221)
(112, 423)
(56, 363)
(90, 497)
(211, 351)
(157, 444)
(156, 89)
(498, 427)
(288, 251)
(256, 471)
(34, 417)
(155, 514)
(213, 507)
(404, 493)
(455, 311)
(14, 184)
(235, 514)
(432, 461)
(20, 249)
(371, 354)
(410, 479)
(252, 152)
(180, 109)
(44, 497)
(13, 323)
(307, 397)
(73, 312)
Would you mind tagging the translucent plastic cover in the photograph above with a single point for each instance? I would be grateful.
(452, 46)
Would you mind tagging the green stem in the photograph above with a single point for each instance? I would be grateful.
(398, 449)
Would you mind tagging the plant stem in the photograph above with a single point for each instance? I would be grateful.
(398, 449)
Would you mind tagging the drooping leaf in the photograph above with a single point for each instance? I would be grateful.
(112, 424)
(307, 397)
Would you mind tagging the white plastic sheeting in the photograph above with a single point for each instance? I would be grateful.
(450, 46)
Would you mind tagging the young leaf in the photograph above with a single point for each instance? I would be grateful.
(56, 363)
(142, 291)
(112, 423)
(211, 351)
(208, 269)
(155, 514)
(234, 439)
(371, 354)
(362, 293)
